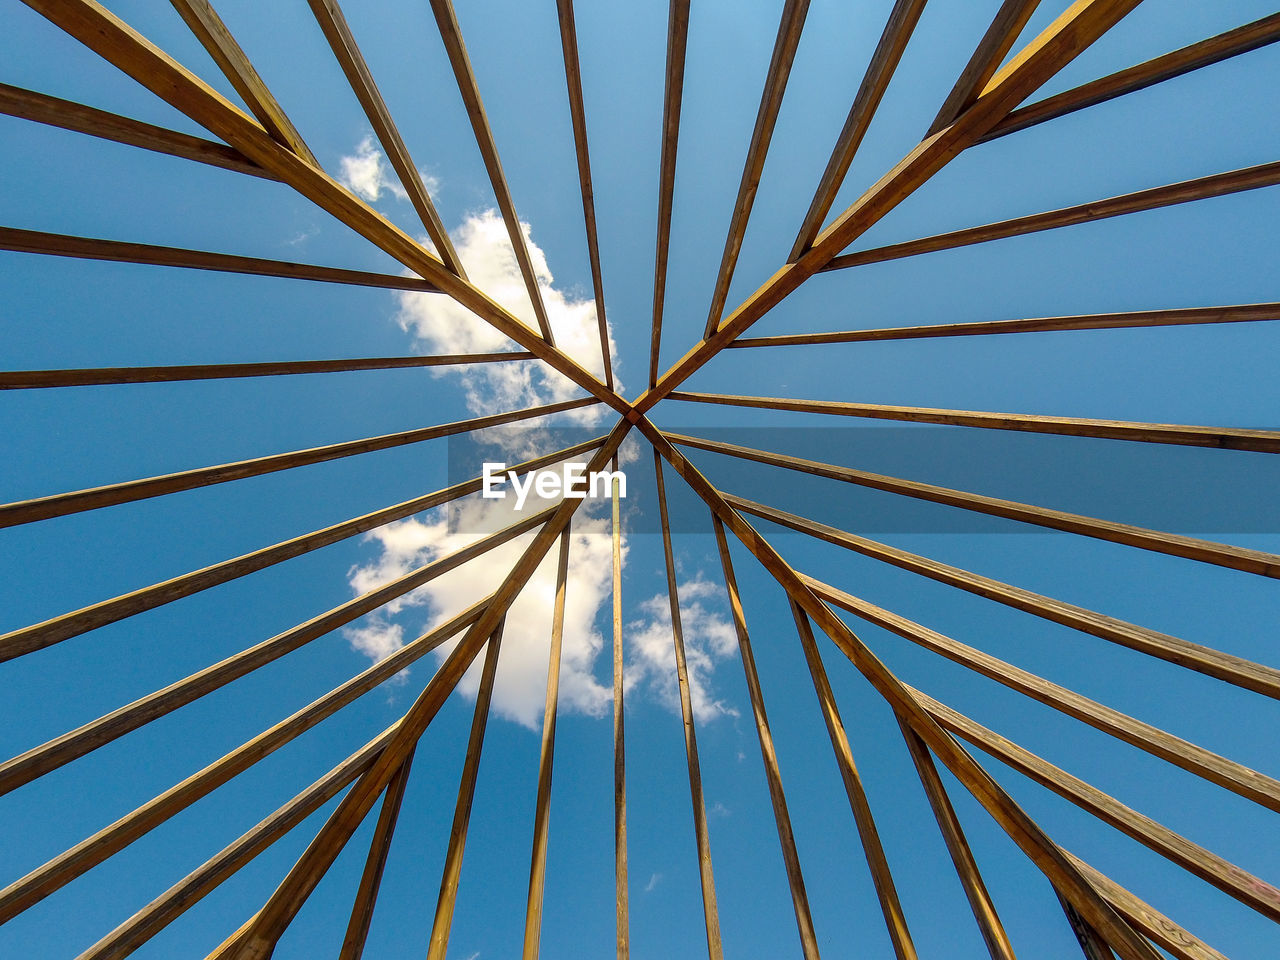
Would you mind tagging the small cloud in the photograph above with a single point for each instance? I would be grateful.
(302, 236)
(718, 809)
(367, 174)
(653, 882)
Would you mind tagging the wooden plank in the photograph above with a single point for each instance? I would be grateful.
(39, 760)
(884, 61)
(882, 878)
(93, 498)
(1251, 36)
(1082, 23)
(78, 859)
(443, 922)
(768, 755)
(91, 248)
(451, 34)
(235, 65)
(187, 892)
(1217, 185)
(336, 30)
(619, 744)
(1243, 313)
(1091, 943)
(1252, 891)
(90, 23)
(1213, 663)
(25, 640)
(775, 85)
(374, 864)
(1206, 764)
(1176, 545)
(1038, 847)
(710, 912)
(987, 57)
(41, 108)
(677, 41)
(257, 937)
(975, 890)
(578, 116)
(546, 762)
(96, 376)
(1180, 944)
(1229, 438)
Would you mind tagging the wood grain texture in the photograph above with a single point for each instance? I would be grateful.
(621, 894)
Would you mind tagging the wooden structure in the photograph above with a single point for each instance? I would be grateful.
(992, 98)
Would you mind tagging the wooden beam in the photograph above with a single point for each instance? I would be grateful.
(1091, 943)
(677, 41)
(443, 922)
(1243, 313)
(1217, 185)
(41, 108)
(768, 755)
(1039, 848)
(93, 498)
(91, 248)
(884, 61)
(257, 937)
(111, 839)
(886, 892)
(619, 744)
(578, 116)
(975, 890)
(92, 24)
(775, 85)
(1173, 544)
(1214, 663)
(1252, 891)
(235, 65)
(374, 864)
(451, 34)
(1206, 764)
(1180, 944)
(709, 910)
(1228, 438)
(61, 750)
(25, 640)
(187, 892)
(1175, 64)
(1082, 23)
(336, 30)
(546, 762)
(987, 57)
(95, 376)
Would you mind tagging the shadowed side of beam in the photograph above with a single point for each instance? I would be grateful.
(69, 115)
(1175, 64)
(91, 248)
(621, 893)
(1243, 313)
(1229, 438)
(61, 504)
(1217, 185)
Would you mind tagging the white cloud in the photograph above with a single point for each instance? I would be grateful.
(367, 174)
(440, 325)
(708, 638)
(520, 686)
(653, 882)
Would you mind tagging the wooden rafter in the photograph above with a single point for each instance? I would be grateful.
(621, 895)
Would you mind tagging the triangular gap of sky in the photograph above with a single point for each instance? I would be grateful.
(64, 313)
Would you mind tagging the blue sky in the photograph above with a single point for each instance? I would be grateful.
(62, 313)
